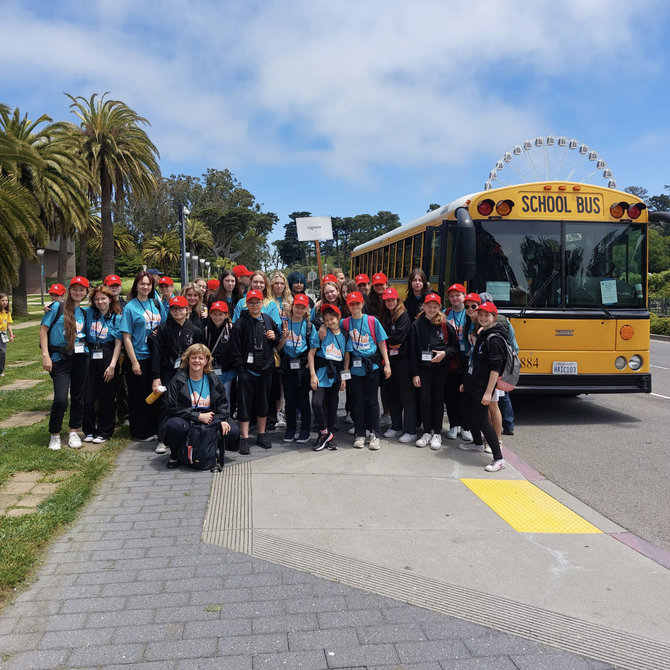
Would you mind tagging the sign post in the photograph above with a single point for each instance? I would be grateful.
(315, 228)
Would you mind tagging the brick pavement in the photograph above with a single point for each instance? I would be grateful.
(131, 584)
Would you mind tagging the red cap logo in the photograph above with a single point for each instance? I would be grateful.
(178, 301)
(219, 306)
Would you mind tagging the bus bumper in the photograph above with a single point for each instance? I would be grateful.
(559, 384)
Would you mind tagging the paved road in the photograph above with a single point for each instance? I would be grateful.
(610, 451)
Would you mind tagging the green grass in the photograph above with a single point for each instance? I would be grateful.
(24, 539)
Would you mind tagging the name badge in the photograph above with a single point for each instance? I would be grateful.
(3, 337)
(295, 365)
(80, 349)
(96, 355)
(393, 352)
(217, 371)
(345, 376)
(426, 356)
(250, 359)
(177, 362)
(358, 363)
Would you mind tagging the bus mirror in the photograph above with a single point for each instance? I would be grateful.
(464, 251)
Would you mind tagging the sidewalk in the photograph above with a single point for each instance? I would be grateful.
(346, 559)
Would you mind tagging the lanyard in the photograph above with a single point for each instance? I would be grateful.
(294, 342)
(147, 312)
(193, 391)
(358, 330)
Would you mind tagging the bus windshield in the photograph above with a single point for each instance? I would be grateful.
(558, 264)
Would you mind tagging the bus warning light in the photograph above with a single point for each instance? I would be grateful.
(635, 209)
(627, 332)
(485, 207)
(504, 207)
(618, 209)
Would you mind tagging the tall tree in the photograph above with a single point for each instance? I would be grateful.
(290, 250)
(120, 156)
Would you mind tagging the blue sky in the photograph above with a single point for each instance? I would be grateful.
(341, 108)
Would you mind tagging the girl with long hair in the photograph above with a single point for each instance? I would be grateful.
(103, 320)
(194, 294)
(417, 289)
(143, 313)
(230, 290)
(65, 358)
(259, 282)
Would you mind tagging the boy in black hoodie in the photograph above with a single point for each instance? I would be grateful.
(253, 339)
(489, 355)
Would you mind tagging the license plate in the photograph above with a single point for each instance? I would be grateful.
(564, 368)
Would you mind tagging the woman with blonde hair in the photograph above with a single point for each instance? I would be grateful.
(194, 296)
(259, 282)
(196, 397)
(280, 292)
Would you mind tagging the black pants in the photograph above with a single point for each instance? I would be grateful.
(365, 402)
(176, 430)
(324, 403)
(401, 397)
(454, 400)
(296, 397)
(252, 395)
(432, 391)
(143, 418)
(478, 417)
(69, 377)
(101, 393)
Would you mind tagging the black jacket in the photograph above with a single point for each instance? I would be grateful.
(168, 342)
(489, 353)
(249, 338)
(426, 336)
(177, 401)
(398, 334)
(413, 305)
(220, 347)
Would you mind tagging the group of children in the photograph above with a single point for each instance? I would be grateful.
(271, 347)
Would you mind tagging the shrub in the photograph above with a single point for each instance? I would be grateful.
(660, 325)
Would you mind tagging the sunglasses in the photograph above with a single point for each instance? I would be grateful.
(471, 306)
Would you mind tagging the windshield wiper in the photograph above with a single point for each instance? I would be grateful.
(593, 300)
(538, 292)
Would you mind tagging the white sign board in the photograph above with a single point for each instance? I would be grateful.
(312, 228)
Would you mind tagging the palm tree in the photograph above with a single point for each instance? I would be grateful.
(162, 251)
(198, 236)
(120, 158)
(124, 241)
(57, 184)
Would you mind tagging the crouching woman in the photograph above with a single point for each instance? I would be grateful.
(196, 396)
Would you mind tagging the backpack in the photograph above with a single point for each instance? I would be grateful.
(202, 448)
(510, 374)
(346, 324)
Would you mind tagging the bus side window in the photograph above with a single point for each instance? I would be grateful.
(407, 261)
(385, 261)
(392, 269)
(418, 250)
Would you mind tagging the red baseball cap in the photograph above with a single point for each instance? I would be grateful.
(165, 281)
(456, 287)
(81, 281)
(241, 271)
(354, 296)
(213, 284)
(301, 299)
(178, 301)
(326, 278)
(379, 278)
(253, 294)
(335, 308)
(488, 307)
(390, 294)
(433, 297)
(58, 289)
(219, 305)
(112, 280)
(362, 279)
(474, 297)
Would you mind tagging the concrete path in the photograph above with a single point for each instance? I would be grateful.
(141, 579)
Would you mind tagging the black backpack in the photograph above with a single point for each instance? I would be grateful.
(509, 378)
(203, 448)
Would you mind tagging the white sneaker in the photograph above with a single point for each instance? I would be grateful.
(424, 440)
(99, 439)
(466, 435)
(436, 442)
(352, 431)
(161, 448)
(471, 446)
(391, 433)
(374, 443)
(281, 420)
(406, 438)
(74, 441)
(452, 433)
(54, 442)
(359, 443)
(384, 420)
(88, 438)
(494, 466)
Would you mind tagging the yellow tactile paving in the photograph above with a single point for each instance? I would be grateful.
(527, 508)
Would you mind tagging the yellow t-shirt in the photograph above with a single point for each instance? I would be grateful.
(5, 318)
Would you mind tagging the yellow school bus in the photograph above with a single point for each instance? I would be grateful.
(565, 262)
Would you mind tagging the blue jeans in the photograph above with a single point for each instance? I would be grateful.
(505, 405)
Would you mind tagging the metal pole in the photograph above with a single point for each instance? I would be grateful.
(40, 253)
(183, 213)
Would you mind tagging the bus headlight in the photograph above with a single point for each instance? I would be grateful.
(635, 362)
(620, 363)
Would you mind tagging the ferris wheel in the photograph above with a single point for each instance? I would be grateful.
(549, 158)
